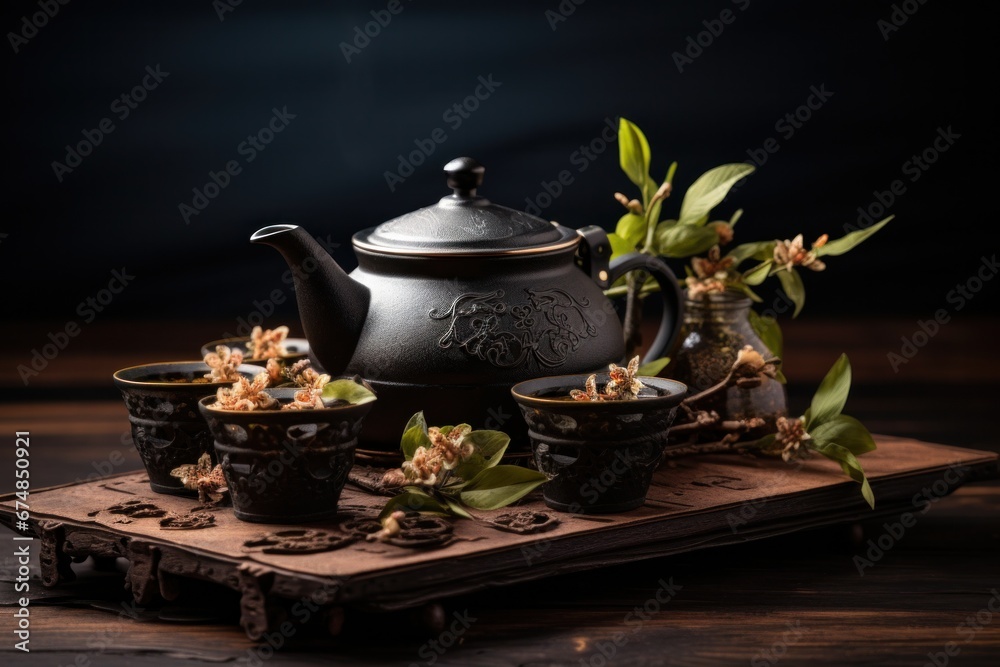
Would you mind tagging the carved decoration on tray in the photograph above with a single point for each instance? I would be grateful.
(189, 521)
(145, 509)
(524, 522)
(416, 531)
(297, 541)
(135, 509)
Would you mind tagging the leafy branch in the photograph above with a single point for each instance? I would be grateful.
(641, 229)
(823, 429)
(449, 470)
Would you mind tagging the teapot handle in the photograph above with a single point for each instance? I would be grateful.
(594, 251)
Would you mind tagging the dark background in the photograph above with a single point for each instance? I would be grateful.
(119, 208)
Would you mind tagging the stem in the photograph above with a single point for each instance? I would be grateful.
(632, 324)
(693, 450)
(723, 384)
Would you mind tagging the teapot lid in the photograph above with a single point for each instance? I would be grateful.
(464, 223)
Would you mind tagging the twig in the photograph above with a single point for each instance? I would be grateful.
(704, 448)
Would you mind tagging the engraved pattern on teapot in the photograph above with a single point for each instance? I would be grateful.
(546, 328)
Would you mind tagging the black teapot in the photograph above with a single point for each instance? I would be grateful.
(453, 304)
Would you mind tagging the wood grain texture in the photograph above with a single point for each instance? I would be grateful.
(736, 599)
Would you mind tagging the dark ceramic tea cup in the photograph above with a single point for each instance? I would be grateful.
(285, 466)
(167, 429)
(599, 455)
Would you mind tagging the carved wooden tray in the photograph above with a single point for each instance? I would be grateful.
(694, 503)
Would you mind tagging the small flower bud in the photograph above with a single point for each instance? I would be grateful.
(664, 191)
(821, 241)
(724, 231)
(393, 478)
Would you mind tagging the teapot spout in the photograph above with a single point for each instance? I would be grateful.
(332, 305)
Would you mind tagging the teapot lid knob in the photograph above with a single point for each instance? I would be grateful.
(465, 174)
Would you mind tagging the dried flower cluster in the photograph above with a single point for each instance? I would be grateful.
(447, 450)
(246, 395)
(793, 253)
(267, 343)
(711, 273)
(311, 393)
(622, 385)
(223, 364)
(250, 395)
(202, 477)
(791, 437)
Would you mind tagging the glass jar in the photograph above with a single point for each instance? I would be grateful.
(715, 329)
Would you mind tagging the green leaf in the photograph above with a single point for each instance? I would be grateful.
(416, 420)
(457, 509)
(829, 399)
(791, 282)
(769, 331)
(631, 228)
(684, 240)
(710, 189)
(653, 368)
(851, 466)
(414, 501)
(490, 444)
(743, 287)
(414, 436)
(765, 443)
(347, 390)
(758, 274)
(846, 431)
(498, 487)
(654, 211)
(490, 447)
(633, 152)
(761, 250)
(847, 242)
(619, 246)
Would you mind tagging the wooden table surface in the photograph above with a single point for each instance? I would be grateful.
(930, 595)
